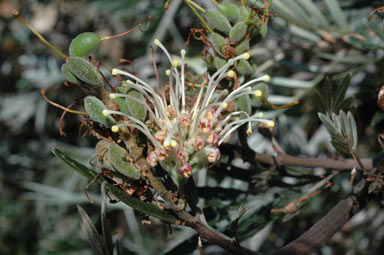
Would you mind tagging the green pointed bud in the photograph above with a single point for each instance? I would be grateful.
(229, 10)
(121, 163)
(218, 21)
(68, 75)
(238, 32)
(84, 44)
(219, 62)
(95, 107)
(85, 71)
(242, 47)
(219, 44)
(244, 68)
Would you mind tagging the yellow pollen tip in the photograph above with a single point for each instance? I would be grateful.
(246, 56)
(105, 113)
(267, 78)
(156, 42)
(115, 129)
(259, 115)
(112, 96)
(114, 72)
(249, 131)
(167, 72)
(224, 105)
(271, 124)
(173, 143)
(231, 73)
(175, 63)
(166, 143)
(183, 52)
(258, 93)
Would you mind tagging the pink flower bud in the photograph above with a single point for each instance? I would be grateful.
(152, 159)
(161, 154)
(185, 120)
(185, 170)
(213, 138)
(213, 155)
(210, 114)
(199, 143)
(205, 126)
(160, 136)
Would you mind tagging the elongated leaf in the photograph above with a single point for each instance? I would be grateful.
(342, 148)
(337, 14)
(373, 25)
(340, 92)
(327, 122)
(352, 130)
(93, 237)
(107, 233)
(315, 12)
(344, 122)
(243, 103)
(136, 110)
(135, 203)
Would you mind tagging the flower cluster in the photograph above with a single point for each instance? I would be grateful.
(185, 132)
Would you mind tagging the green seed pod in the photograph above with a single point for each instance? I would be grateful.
(85, 71)
(238, 32)
(242, 47)
(243, 103)
(94, 107)
(121, 163)
(257, 99)
(218, 21)
(68, 75)
(219, 44)
(229, 10)
(244, 68)
(219, 62)
(84, 44)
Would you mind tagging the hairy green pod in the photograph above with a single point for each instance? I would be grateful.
(85, 71)
(69, 75)
(229, 10)
(219, 44)
(219, 62)
(242, 47)
(244, 68)
(94, 107)
(238, 32)
(218, 21)
(84, 44)
(121, 163)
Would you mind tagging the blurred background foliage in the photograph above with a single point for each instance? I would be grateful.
(307, 41)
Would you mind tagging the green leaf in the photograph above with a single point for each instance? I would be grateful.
(373, 25)
(93, 237)
(257, 101)
(94, 107)
(229, 10)
(243, 68)
(84, 44)
(340, 92)
(337, 14)
(352, 130)
(120, 162)
(137, 204)
(340, 147)
(136, 110)
(219, 44)
(242, 47)
(316, 14)
(68, 75)
(219, 62)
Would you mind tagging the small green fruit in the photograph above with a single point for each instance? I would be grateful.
(84, 44)
(68, 75)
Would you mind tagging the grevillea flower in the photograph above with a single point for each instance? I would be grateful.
(186, 134)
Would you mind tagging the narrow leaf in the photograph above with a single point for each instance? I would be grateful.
(337, 14)
(94, 107)
(93, 237)
(352, 130)
(340, 92)
(120, 161)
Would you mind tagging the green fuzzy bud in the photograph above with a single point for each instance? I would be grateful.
(244, 68)
(68, 75)
(238, 32)
(242, 47)
(85, 71)
(121, 163)
(219, 62)
(218, 21)
(229, 10)
(94, 107)
(219, 44)
(84, 44)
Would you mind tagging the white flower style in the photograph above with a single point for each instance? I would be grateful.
(187, 136)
